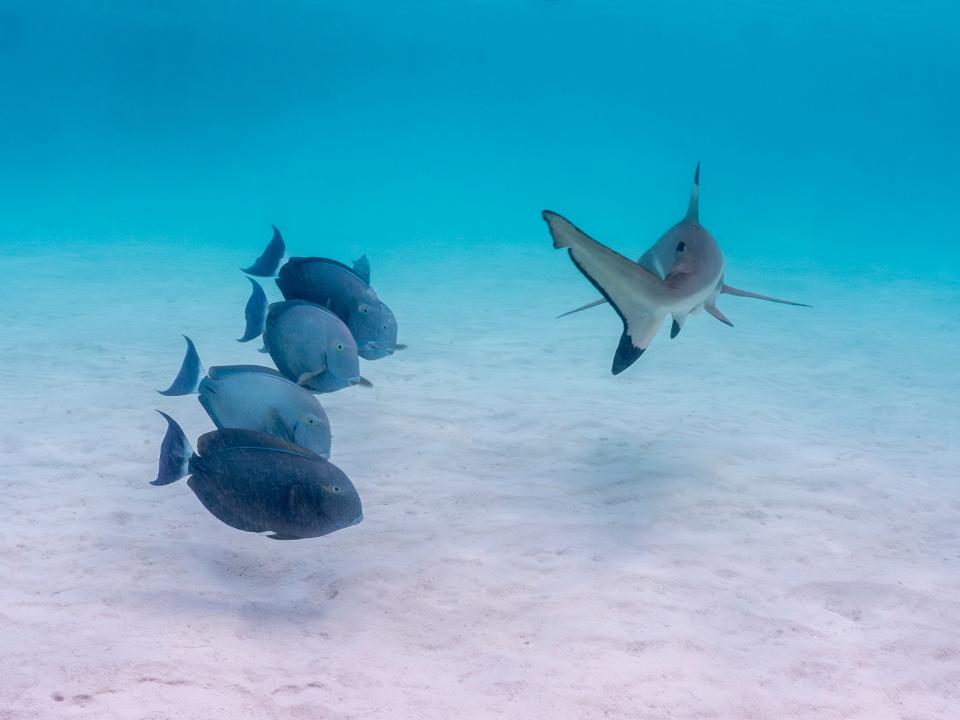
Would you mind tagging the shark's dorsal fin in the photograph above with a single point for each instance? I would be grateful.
(693, 209)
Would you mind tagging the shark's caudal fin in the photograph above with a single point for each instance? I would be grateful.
(589, 305)
(269, 261)
(175, 453)
(255, 312)
(188, 379)
(634, 292)
(693, 209)
(726, 289)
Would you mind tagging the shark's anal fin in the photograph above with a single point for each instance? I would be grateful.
(712, 309)
(727, 290)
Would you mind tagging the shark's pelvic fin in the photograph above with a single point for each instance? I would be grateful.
(634, 292)
(712, 309)
(589, 305)
(677, 326)
(744, 293)
(693, 209)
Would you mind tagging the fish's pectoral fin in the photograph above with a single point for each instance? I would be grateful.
(712, 309)
(275, 425)
(727, 290)
(589, 305)
(306, 377)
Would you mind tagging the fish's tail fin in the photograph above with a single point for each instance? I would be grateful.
(693, 209)
(191, 370)
(175, 453)
(255, 312)
(726, 289)
(269, 261)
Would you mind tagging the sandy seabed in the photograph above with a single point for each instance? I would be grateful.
(758, 522)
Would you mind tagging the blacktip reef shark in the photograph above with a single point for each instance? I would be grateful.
(680, 274)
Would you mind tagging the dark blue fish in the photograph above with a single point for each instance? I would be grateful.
(333, 285)
(259, 483)
(251, 397)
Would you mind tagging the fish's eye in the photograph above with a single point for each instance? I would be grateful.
(339, 346)
(681, 246)
(311, 421)
(336, 488)
(364, 309)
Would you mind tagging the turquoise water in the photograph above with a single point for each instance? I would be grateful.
(749, 522)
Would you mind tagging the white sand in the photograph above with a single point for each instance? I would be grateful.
(758, 522)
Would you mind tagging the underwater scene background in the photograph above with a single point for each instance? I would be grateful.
(747, 523)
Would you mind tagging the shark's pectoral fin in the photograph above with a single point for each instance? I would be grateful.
(633, 291)
(745, 293)
(589, 305)
(712, 309)
(626, 354)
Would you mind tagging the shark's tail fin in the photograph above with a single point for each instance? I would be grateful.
(726, 289)
(191, 370)
(693, 209)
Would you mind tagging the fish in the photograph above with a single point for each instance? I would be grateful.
(361, 266)
(680, 274)
(339, 288)
(253, 397)
(311, 346)
(259, 483)
(269, 261)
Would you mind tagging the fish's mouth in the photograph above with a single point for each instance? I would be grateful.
(361, 381)
(357, 520)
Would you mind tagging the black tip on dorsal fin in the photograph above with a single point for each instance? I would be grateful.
(693, 209)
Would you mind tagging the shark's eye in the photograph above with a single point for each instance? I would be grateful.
(681, 247)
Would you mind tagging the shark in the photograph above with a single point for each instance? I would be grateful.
(681, 273)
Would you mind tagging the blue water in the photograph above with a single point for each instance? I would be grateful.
(758, 521)
(827, 131)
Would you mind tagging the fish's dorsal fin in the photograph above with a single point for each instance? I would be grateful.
(219, 441)
(693, 209)
(361, 266)
(221, 371)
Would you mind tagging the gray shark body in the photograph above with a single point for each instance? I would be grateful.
(680, 274)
